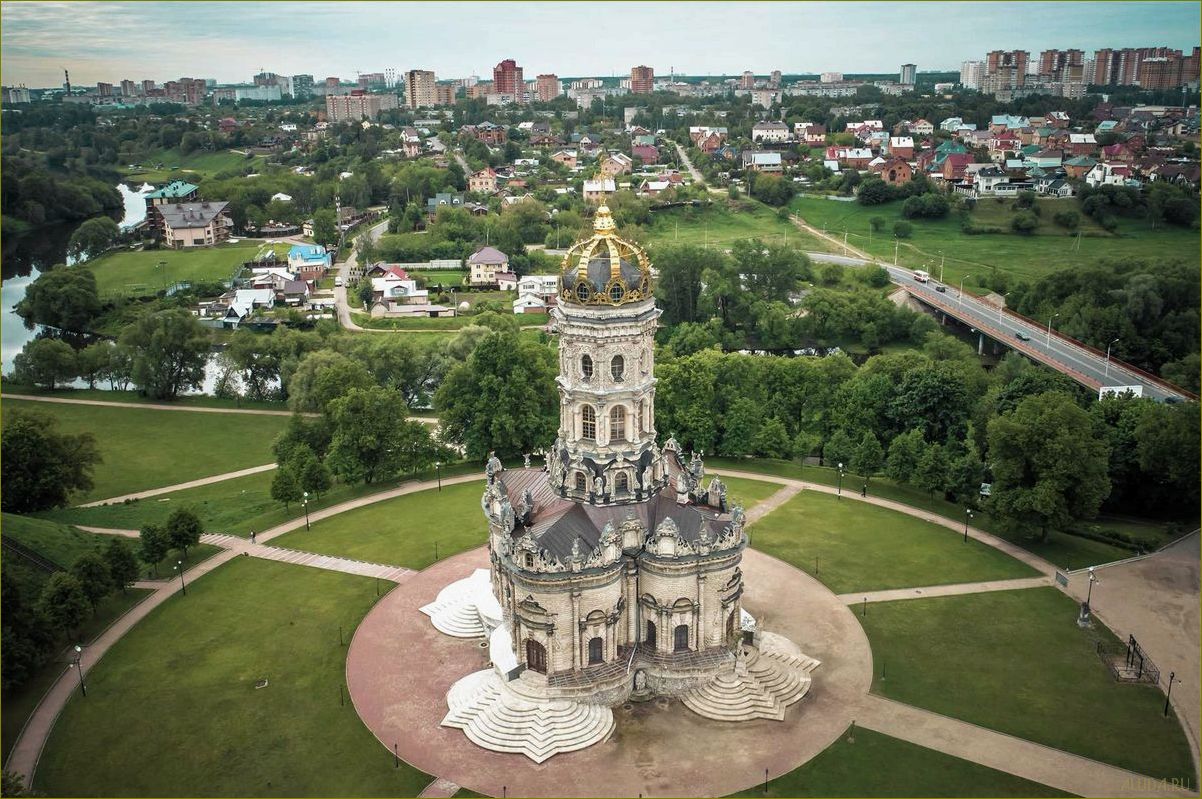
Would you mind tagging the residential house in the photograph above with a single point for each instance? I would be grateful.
(653, 188)
(761, 161)
(443, 199)
(1118, 152)
(1058, 119)
(954, 165)
(770, 132)
(1082, 143)
(921, 127)
(1187, 174)
(894, 171)
(1003, 143)
(986, 181)
(411, 142)
(177, 191)
(1000, 123)
(1077, 166)
(506, 281)
(951, 124)
(710, 143)
(292, 293)
(544, 287)
(194, 224)
(484, 264)
(853, 157)
(308, 261)
(901, 147)
(616, 164)
(565, 157)
(486, 132)
(1053, 186)
(1047, 159)
(598, 191)
(647, 152)
(484, 181)
(528, 303)
(1107, 174)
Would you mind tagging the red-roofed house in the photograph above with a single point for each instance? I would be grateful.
(894, 171)
(954, 165)
(647, 152)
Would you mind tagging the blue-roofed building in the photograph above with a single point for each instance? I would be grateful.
(1003, 122)
(308, 261)
(1106, 125)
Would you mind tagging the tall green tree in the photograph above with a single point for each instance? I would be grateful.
(1049, 464)
(45, 362)
(64, 297)
(868, 457)
(838, 449)
(94, 362)
(323, 376)
(41, 467)
(94, 577)
(285, 486)
(169, 351)
(502, 398)
(122, 562)
(373, 438)
(153, 545)
(325, 227)
(63, 603)
(931, 474)
(904, 453)
(93, 237)
(184, 529)
(679, 285)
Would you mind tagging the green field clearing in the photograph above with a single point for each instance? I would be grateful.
(965, 256)
(424, 323)
(1016, 662)
(234, 506)
(874, 764)
(176, 166)
(16, 390)
(722, 224)
(852, 546)
(172, 709)
(145, 448)
(1060, 549)
(137, 273)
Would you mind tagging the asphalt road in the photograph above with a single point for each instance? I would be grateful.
(1082, 365)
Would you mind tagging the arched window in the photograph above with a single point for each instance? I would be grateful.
(616, 291)
(649, 639)
(596, 651)
(617, 423)
(588, 422)
(580, 482)
(621, 483)
(586, 366)
(617, 367)
(536, 656)
(681, 636)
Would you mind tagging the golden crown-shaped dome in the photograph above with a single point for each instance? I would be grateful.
(605, 269)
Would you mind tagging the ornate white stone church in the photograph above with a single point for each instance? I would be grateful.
(615, 566)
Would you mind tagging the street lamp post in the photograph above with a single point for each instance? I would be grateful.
(83, 686)
(967, 519)
(305, 502)
(1093, 578)
(438, 471)
(962, 288)
(1108, 346)
(941, 267)
(183, 587)
(840, 491)
(1167, 696)
(1053, 319)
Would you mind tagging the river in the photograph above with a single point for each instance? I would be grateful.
(25, 257)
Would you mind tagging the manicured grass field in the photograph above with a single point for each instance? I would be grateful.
(134, 398)
(875, 764)
(1016, 662)
(404, 531)
(145, 448)
(136, 273)
(172, 709)
(748, 493)
(1050, 248)
(1060, 549)
(234, 506)
(722, 224)
(854, 546)
(63, 544)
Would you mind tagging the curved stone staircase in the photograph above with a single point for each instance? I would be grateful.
(514, 716)
(763, 683)
(466, 608)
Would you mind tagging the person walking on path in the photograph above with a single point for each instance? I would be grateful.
(252, 536)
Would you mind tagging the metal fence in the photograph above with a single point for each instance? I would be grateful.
(1128, 662)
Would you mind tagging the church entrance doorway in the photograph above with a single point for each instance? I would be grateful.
(536, 656)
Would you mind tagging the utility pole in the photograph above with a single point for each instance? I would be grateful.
(896, 242)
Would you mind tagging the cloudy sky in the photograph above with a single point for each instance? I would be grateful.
(230, 41)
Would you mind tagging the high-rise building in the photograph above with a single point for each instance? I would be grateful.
(507, 79)
(547, 87)
(747, 81)
(128, 88)
(1122, 67)
(104, 89)
(358, 105)
(1005, 71)
(776, 77)
(302, 86)
(333, 83)
(831, 77)
(419, 89)
(908, 74)
(148, 87)
(642, 80)
(971, 73)
(265, 79)
(444, 94)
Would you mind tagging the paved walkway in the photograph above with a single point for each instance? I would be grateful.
(28, 749)
(204, 481)
(362, 568)
(773, 502)
(1016, 756)
(955, 589)
(1156, 599)
(440, 787)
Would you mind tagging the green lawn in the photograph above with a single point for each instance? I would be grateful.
(405, 531)
(424, 323)
(1060, 549)
(172, 709)
(137, 272)
(853, 546)
(63, 544)
(144, 448)
(1016, 662)
(722, 224)
(1028, 257)
(176, 166)
(234, 506)
(874, 764)
(748, 493)
(134, 398)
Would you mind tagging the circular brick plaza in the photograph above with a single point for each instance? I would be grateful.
(399, 669)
